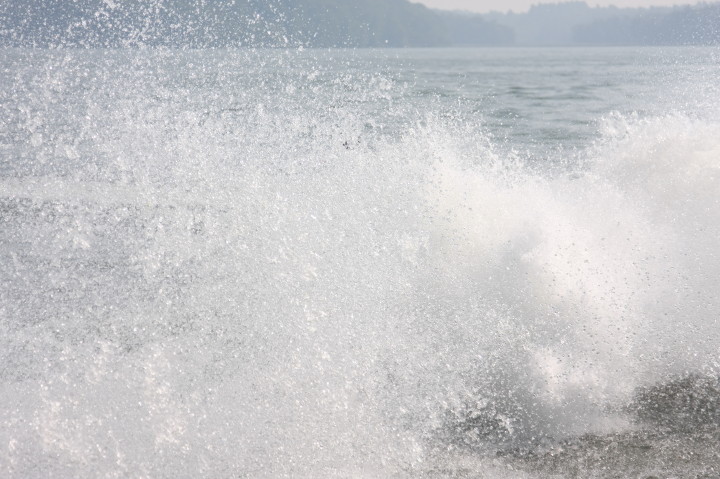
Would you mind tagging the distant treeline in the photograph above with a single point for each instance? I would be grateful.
(698, 25)
(339, 23)
(575, 23)
(260, 23)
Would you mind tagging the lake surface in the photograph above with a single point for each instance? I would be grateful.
(360, 263)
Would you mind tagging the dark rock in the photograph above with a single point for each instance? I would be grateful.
(684, 405)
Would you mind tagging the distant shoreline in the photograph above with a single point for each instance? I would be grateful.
(359, 24)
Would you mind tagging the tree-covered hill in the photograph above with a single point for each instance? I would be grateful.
(576, 23)
(699, 25)
(341, 23)
(269, 23)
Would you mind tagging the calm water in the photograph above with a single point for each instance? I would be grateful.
(414, 263)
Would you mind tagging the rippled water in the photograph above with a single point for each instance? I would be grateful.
(335, 263)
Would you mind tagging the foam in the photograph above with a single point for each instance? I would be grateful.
(328, 284)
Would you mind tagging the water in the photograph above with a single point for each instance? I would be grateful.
(415, 263)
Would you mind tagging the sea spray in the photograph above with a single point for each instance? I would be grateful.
(276, 263)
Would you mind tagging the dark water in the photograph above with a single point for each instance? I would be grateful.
(416, 263)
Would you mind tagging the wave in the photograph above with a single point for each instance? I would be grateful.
(273, 289)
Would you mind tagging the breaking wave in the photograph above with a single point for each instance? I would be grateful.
(275, 274)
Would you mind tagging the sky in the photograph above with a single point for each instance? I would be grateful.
(484, 6)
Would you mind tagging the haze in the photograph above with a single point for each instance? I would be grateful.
(484, 6)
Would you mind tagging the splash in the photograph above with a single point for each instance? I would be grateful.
(260, 264)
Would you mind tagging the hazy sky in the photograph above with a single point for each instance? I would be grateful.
(522, 5)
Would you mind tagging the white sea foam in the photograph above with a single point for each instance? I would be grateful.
(331, 283)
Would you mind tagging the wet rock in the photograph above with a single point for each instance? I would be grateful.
(684, 405)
